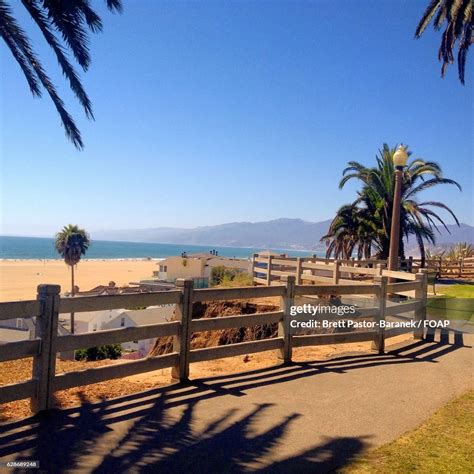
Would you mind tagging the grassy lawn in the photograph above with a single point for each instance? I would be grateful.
(456, 291)
(442, 444)
(452, 302)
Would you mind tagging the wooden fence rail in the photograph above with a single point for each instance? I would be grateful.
(47, 343)
(270, 270)
(312, 269)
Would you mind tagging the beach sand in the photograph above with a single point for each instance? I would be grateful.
(20, 278)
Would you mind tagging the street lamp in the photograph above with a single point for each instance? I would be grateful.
(400, 158)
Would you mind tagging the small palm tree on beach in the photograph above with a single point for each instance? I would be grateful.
(365, 224)
(72, 243)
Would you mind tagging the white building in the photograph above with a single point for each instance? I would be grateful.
(198, 266)
(123, 318)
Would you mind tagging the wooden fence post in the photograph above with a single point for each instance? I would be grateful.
(380, 267)
(44, 364)
(287, 301)
(410, 264)
(269, 270)
(182, 342)
(379, 342)
(337, 272)
(299, 270)
(255, 255)
(421, 295)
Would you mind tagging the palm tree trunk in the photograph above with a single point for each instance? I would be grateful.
(72, 293)
(401, 248)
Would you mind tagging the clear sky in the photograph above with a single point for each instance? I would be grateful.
(212, 112)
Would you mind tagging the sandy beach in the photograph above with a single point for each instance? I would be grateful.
(20, 278)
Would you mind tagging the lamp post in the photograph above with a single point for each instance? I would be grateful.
(400, 158)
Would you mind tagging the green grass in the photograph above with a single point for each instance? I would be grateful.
(447, 307)
(442, 444)
(452, 302)
(456, 291)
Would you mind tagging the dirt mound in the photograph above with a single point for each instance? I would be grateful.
(215, 309)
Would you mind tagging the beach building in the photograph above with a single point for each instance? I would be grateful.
(117, 318)
(198, 266)
(17, 329)
(110, 289)
(12, 330)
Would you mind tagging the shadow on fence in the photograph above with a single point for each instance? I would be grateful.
(163, 435)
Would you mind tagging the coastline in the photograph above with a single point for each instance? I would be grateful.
(20, 278)
(19, 248)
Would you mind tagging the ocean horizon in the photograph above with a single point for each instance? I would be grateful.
(26, 248)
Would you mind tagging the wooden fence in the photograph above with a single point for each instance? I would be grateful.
(448, 268)
(268, 269)
(47, 343)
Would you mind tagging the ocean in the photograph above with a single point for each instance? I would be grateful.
(43, 248)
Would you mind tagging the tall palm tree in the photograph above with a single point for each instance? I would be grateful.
(65, 26)
(72, 243)
(366, 222)
(459, 19)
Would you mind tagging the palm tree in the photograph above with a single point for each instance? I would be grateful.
(459, 23)
(64, 25)
(351, 230)
(72, 243)
(365, 224)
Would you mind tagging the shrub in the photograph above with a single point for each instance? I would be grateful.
(217, 275)
(111, 351)
(221, 275)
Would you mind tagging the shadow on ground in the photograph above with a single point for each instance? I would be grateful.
(161, 433)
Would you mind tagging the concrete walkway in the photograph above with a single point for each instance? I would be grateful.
(311, 417)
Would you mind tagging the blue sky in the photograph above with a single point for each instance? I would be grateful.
(212, 112)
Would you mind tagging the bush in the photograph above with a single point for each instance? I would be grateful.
(240, 279)
(217, 275)
(111, 351)
(221, 275)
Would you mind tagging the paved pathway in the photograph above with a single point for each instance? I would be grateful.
(303, 418)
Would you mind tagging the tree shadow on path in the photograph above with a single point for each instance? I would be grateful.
(158, 430)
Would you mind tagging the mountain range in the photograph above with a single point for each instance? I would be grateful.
(281, 233)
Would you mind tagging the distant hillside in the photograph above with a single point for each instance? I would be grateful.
(279, 233)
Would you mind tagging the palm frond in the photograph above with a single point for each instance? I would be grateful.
(457, 16)
(431, 183)
(442, 206)
(427, 16)
(9, 30)
(45, 26)
(72, 20)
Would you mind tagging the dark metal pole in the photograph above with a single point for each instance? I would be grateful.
(395, 227)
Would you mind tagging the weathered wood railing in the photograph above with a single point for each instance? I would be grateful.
(319, 269)
(47, 343)
(269, 270)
